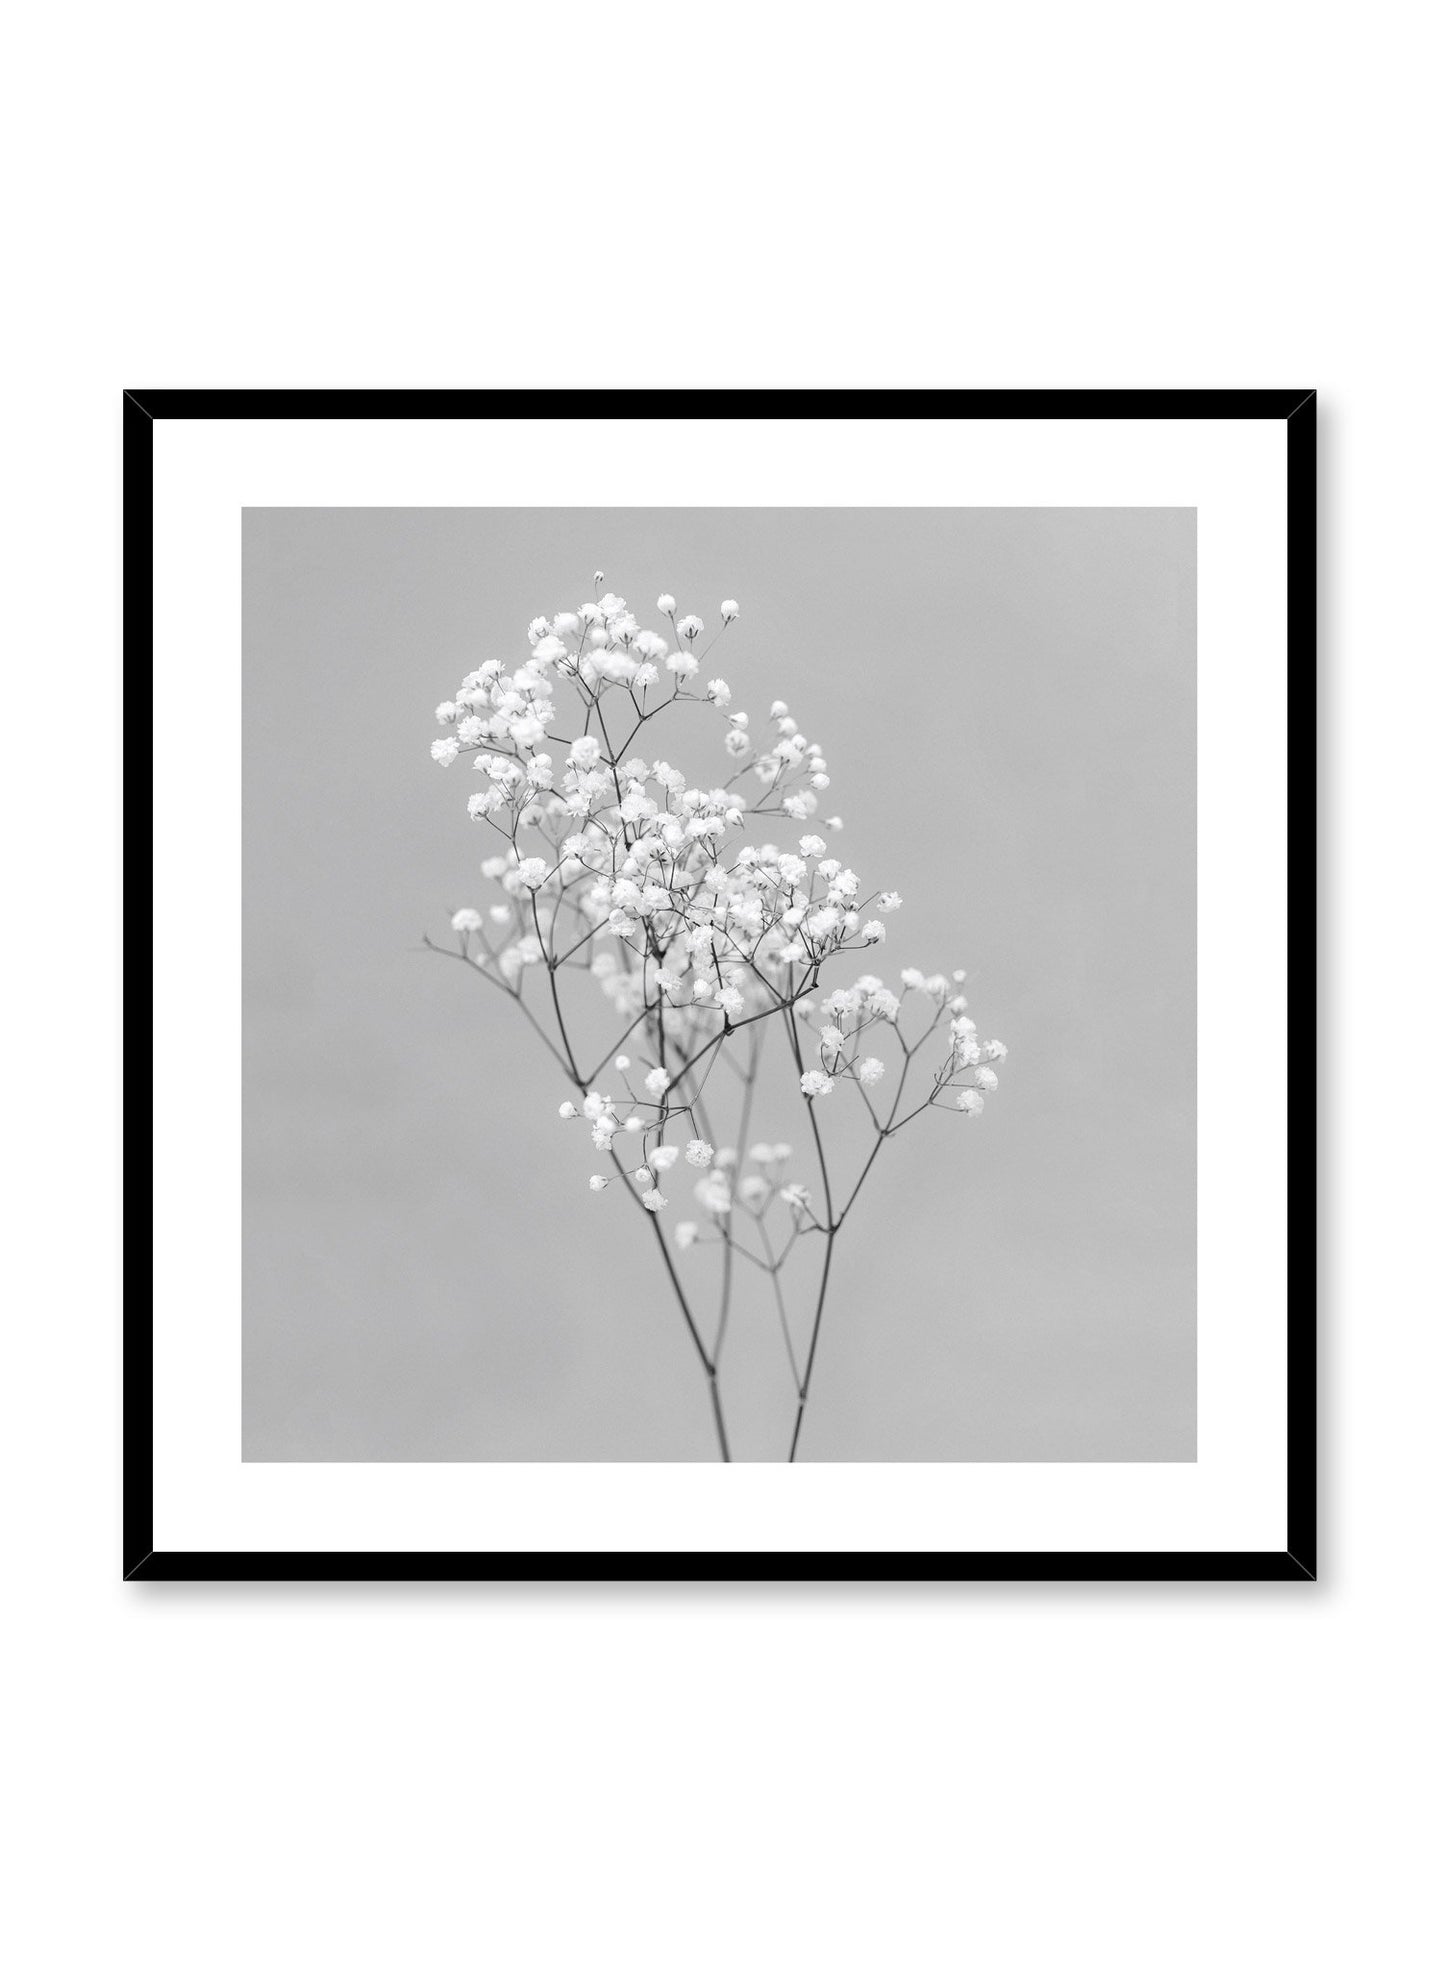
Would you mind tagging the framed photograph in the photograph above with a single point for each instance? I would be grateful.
(732, 982)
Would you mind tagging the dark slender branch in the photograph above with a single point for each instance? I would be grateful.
(812, 1347)
(506, 991)
(708, 1367)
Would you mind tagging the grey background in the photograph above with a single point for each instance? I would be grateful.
(1006, 701)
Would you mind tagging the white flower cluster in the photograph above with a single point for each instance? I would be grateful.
(848, 1014)
(614, 862)
(731, 1185)
(626, 849)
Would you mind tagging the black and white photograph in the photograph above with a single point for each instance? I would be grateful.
(813, 1075)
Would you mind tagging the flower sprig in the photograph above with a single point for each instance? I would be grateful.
(614, 863)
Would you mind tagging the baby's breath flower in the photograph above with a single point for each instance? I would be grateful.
(674, 922)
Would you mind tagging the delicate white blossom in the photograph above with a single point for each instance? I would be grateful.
(654, 878)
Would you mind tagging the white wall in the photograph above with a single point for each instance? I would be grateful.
(1109, 195)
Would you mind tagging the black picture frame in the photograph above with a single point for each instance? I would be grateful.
(142, 1561)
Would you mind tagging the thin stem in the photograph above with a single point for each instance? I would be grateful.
(709, 1367)
(557, 1002)
(812, 1348)
(774, 1265)
(754, 1049)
